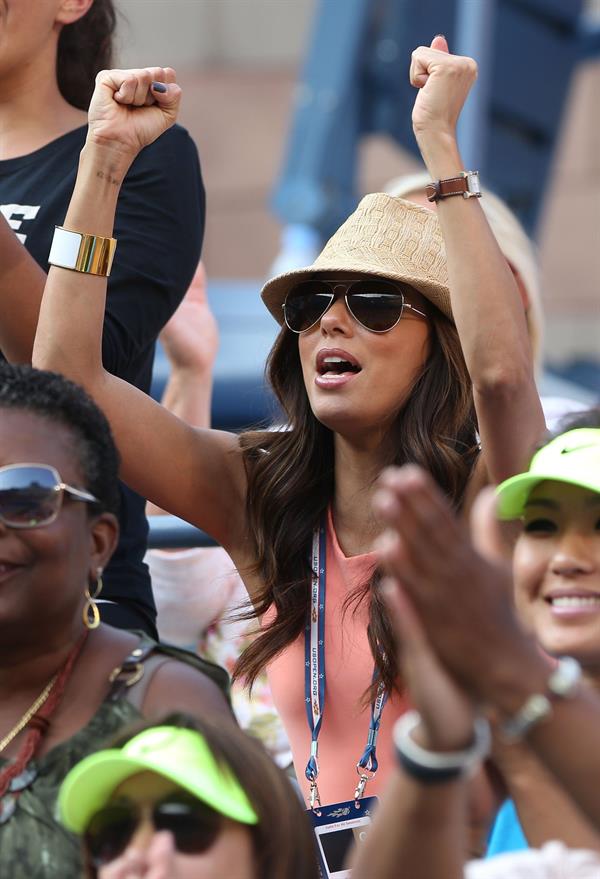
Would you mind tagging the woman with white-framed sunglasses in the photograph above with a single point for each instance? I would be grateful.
(66, 680)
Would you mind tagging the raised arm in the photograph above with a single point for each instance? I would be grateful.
(158, 249)
(190, 341)
(197, 474)
(486, 304)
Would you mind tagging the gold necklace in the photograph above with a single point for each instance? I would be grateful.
(28, 714)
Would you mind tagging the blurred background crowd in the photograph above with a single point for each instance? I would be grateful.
(247, 71)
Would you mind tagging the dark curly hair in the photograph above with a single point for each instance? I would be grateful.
(84, 49)
(59, 400)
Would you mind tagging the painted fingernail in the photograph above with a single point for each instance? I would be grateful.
(159, 87)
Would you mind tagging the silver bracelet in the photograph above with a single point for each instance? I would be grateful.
(461, 761)
(561, 684)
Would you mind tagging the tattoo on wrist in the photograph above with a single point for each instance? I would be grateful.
(108, 177)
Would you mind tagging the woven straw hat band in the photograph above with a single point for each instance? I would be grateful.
(385, 236)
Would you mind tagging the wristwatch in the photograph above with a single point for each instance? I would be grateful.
(466, 184)
(562, 683)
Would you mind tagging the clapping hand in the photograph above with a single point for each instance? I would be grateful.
(447, 713)
(461, 596)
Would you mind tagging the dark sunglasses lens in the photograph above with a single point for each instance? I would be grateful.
(28, 496)
(109, 833)
(377, 306)
(194, 825)
(305, 304)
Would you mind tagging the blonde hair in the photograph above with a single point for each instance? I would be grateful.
(513, 241)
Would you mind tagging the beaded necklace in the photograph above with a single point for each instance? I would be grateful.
(38, 719)
(22, 723)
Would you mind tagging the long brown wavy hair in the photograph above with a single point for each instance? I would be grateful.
(291, 484)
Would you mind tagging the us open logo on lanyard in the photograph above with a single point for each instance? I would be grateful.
(317, 633)
(338, 825)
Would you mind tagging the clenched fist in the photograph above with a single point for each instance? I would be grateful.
(444, 82)
(131, 108)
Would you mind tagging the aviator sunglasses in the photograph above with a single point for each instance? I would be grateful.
(31, 495)
(193, 824)
(375, 305)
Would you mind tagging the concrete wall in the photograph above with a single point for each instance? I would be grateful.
(192, 33)
(570, 229)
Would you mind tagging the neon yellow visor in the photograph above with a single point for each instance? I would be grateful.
(181, 755)
(572, 457)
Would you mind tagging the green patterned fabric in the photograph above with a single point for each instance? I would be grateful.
(33, 844)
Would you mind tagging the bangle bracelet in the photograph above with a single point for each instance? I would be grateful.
(424, 774)
(79, 252)
(433, 766)
(561, 684)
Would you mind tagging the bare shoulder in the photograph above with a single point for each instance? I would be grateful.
(177, 686)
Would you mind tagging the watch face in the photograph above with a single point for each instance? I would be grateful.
(473, 183)
(565, 676)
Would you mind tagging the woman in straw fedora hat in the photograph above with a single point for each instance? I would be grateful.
(411, 347)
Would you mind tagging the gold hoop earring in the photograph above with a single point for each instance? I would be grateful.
(91, 614)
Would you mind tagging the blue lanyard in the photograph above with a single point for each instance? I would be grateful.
(314, 647)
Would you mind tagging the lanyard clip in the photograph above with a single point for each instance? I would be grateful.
(360, 787)
(314, 798)
(364, 776)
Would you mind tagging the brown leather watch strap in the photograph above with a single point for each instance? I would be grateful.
(445, 188)
(466, 184)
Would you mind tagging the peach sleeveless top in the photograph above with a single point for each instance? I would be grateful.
(349, 670)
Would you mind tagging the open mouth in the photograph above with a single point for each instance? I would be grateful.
(337, 366)
(332, 363)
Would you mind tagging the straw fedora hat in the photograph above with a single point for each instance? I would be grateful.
(385, 236)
